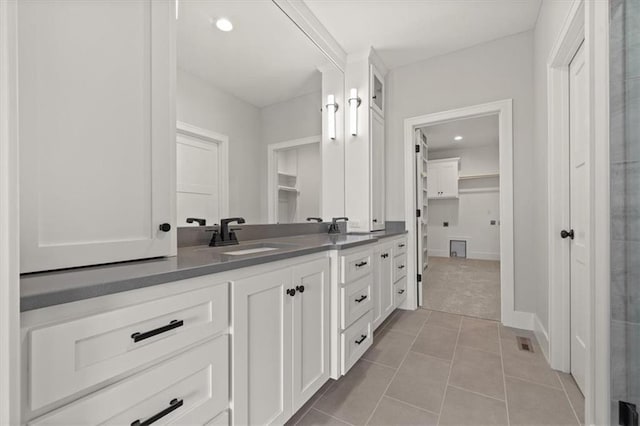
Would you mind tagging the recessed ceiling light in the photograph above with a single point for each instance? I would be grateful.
(457, 138)
(223, 24)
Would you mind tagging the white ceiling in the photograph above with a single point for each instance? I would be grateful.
(476, 133)
(265, 59)
(406, 31)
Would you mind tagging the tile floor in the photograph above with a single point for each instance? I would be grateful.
(463, 286)
(433, 368)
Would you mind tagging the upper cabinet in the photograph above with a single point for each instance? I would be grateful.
(96, 126)
(365, 144)
(442, 181)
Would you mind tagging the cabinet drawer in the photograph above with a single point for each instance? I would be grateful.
(68, 357)
(355, 265)
(356, 340)
(399, 267)
(400, 247)
(183, 390)
(356, 299)
(400, 292)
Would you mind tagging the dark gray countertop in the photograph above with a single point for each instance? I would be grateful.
(44, 289)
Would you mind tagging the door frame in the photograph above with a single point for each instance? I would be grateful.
(9, 220)
(222, 141)
(504, 110)
(272, 164)
(586, 22)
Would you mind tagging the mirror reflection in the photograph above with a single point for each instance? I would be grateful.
(249, 99)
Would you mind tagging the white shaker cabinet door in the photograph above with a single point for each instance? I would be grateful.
(262, 355)
(377, 173)
(311, 330)
(96, 131)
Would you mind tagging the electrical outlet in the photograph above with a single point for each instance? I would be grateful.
(445, 224)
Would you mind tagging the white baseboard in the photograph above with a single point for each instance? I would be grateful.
(542, 336)
(518, 319)
(479, 255)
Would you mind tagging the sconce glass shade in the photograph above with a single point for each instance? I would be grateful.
(354, 103)
(332, 107)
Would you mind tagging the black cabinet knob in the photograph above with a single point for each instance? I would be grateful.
(165, 227)
(291, 292)
(569, 234)
(300, 288)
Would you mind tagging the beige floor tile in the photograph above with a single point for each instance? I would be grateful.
(575, 396)
(307, 406)
(389, 348)
(316, 418)
(443, 319)
(392, 412)
(421, 381)
(354, 397)
(533, 404)
(436, 341)
(527, 365)
(479, 334)
(409, 322)
(467, 408)
(477, 371)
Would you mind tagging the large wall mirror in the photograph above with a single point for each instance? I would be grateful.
(249, 111)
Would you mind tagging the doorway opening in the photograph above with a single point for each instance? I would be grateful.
(460, 227)
(293, 185)
(416, 265)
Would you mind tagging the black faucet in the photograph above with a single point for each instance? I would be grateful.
(334, 228)
(225, 237)
(201, 222)
(317, 219)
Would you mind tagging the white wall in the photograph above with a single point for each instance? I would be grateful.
(550, 20)
(470, 215)
(201, 104)
(488, 72)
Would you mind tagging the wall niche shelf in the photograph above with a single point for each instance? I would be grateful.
(479, 176)
(287, 189)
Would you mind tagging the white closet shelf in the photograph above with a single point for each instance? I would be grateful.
(287, 188)
(478, 190)
(287, 174)
(479, 176)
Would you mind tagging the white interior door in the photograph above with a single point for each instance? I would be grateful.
(579, 213)
(422, 188)
(198, 183)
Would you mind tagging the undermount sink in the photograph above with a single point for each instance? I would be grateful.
(249, 251)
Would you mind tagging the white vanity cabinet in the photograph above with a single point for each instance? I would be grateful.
(442, 179)
(382, 282)
(96, 131)
(399, 251)
(365, 151)
(281, 341)
(158, 352)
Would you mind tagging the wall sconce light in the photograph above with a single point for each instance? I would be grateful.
(354, 103)
(332, 107)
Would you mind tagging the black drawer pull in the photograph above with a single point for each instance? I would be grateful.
(361, 298)
(400, 245)
(173, 405)
(401, 291)
(141, 336)
(361, 339)
(401, 267)
(384, 255)
(361, 264)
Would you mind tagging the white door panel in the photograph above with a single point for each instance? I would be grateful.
(580, 200)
